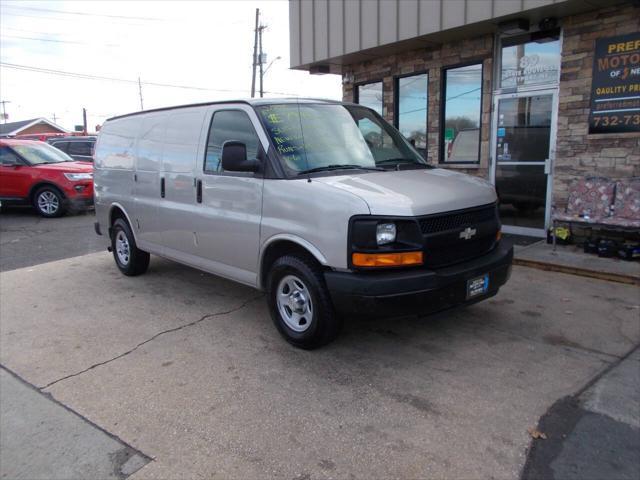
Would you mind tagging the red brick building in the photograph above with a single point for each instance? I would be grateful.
(33, 126)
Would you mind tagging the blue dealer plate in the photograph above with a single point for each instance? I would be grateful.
(477, 286)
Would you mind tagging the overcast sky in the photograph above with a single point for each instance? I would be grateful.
(207, 45)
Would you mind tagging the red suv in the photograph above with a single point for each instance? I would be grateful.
(38, 174)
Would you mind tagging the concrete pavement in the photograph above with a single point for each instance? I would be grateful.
(41, 439)
(187, 368)
(594, 434)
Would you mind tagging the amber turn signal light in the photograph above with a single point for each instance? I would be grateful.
(403, 259)
(498, 235)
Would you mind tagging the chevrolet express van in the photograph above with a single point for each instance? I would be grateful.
(323, 205)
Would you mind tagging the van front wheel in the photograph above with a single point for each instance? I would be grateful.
(300, 304)
(129, 258)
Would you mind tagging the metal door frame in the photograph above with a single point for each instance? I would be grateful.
(548, 165)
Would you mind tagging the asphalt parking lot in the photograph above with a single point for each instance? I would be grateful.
(187, 373)
(28, 239)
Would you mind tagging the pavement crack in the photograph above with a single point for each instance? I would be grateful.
(152, 338)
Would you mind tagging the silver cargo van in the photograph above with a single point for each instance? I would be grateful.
(323, 205)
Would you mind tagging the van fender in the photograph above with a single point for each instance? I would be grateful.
(124, 210)
(308, 246)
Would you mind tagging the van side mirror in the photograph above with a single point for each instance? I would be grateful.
(234, 158)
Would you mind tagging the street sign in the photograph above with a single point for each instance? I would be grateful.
(449, 134)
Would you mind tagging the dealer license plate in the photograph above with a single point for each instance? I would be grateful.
(477, 286)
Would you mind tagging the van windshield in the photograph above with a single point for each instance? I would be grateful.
(318, 137)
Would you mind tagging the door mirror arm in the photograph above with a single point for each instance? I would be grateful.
(234, 158)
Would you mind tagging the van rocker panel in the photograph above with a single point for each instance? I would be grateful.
(417, 291)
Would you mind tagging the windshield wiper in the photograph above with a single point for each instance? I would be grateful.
(339, 167)
(402, 161)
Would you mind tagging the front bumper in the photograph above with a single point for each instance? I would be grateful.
(417, 291)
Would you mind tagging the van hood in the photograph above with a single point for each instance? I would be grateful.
(68, 167)
(415, 192)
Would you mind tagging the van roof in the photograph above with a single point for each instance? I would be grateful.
(250, 101)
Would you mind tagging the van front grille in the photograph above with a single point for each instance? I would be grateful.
(447, 255)
(451, 221)
(456, 237)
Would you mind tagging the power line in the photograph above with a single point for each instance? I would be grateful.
(87, 76)
(44, 17)
(58, 41)
(66, 12)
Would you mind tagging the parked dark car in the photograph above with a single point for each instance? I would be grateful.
(78, 148)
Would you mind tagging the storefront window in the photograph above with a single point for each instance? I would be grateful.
(370, 95)
(411, 109)
(462, 105)
(530, 60)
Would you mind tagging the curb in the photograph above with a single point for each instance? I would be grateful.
(581, 272)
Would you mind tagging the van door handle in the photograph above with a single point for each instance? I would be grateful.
(162, 187)
(199, 191)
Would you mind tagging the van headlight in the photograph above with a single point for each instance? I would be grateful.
(76, 177)
(385, 233)
(377, 242)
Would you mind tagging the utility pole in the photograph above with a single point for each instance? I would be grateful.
(4, 110)
(84, 120)
(54, 117)
(255, 54)
(260, 58)
(140, 91)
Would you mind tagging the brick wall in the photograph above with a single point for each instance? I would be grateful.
(431, 60)
(578, 153)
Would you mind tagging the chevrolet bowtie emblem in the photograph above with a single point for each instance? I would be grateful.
(467, 233)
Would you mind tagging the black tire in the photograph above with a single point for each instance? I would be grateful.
(132, 262)
(49, 202)
(324, 324)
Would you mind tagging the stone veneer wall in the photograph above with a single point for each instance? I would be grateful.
(577, 153)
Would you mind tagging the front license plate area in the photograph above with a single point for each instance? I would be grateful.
(477, 286)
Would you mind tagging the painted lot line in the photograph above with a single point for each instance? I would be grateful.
(187, 368)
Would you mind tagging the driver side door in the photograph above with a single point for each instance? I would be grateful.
(229, 204)
(15, 176)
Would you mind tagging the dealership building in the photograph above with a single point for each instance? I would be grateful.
(529, 94)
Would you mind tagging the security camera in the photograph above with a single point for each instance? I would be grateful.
(548, 23)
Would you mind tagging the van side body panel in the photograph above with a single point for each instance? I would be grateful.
(114, 167)
(181, 153)
(150, 145)
(312, 211)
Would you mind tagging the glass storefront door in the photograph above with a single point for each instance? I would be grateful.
(523, 139)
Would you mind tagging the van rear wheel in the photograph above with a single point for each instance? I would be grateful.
(130, 260)
(300, 304)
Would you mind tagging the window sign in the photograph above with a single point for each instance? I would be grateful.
(411, 106)
(615, 86)
(462, 102)
(370, 95)
(530, 62)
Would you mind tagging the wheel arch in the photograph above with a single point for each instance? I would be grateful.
(279, 245)
(37, 186)
(116, 210)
